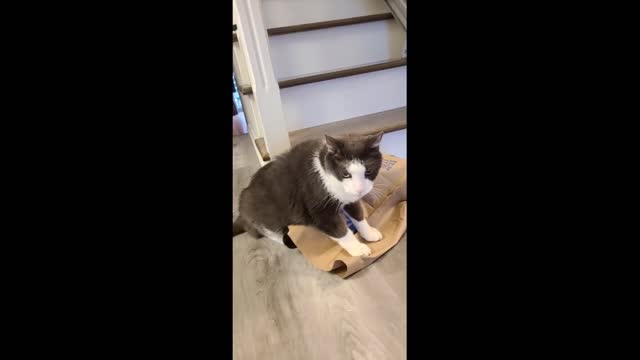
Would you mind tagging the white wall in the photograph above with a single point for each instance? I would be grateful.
(395, 143)
(340, 99)
(279, 13)
(334, 48)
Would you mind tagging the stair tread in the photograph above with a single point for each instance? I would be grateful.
(262, 148)
(329, 24)
(386, 121)
(332, 74)
(326, 24)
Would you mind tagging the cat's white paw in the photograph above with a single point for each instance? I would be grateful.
(357, 249)
(371, 234)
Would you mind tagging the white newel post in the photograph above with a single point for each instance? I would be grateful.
(399, 10)
(253, 41)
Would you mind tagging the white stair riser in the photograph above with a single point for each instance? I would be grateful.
(334, 48)
(344, 98)
(278, 13)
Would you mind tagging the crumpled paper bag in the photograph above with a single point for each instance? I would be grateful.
(385, 209)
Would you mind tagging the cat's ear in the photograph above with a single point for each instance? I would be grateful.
(374, 140)
(333, 145)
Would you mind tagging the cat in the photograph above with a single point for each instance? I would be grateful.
(311, 185)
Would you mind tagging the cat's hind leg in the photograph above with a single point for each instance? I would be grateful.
(259, 230)
(249, 227)
(281, 236)
(275, 235)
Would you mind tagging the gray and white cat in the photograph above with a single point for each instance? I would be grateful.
(310, 185)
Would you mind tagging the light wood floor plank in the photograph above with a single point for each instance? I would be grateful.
(284, 308)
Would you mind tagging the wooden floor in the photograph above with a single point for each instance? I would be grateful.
(283, 308)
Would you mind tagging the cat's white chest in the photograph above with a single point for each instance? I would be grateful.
(334, 186)
(336, 189)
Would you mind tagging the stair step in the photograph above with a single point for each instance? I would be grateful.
(334, 74)
(326, 24)
(262, 148)
(386, 121)
(329, 24)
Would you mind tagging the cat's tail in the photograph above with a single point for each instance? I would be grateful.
(238, 227)
(241, 226)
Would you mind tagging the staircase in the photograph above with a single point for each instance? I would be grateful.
(306, 68)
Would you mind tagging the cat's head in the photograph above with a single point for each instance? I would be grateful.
(354, 161)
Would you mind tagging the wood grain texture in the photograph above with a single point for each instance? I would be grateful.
(284, 308)
(328, 24)
(386, 121)
(262, 148)
(330, 75)
(340, 73)
(245, 89)
(325, 24)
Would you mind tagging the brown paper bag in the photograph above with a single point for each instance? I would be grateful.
(385, 209)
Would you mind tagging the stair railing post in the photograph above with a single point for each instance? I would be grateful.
(253, 40)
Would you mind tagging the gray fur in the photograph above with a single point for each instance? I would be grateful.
(288, 191)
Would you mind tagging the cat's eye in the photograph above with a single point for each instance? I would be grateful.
(346, 175)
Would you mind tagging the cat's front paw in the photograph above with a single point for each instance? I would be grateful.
(371, 234)
(358, 249)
